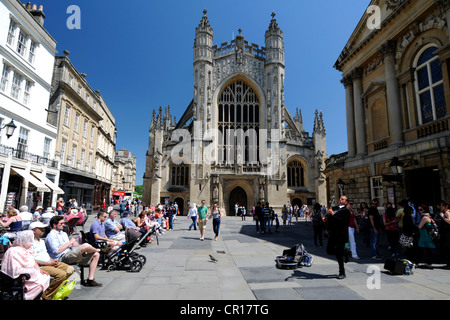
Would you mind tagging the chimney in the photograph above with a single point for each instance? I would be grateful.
(38, 13)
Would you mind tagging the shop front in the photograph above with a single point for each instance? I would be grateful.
(117, 196)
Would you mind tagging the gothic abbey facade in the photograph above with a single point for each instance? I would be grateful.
(236, 142)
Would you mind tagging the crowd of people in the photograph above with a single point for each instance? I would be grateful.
(412, 232)
(40, 243)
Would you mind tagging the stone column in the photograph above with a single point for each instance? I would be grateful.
(393, 94)
(348, 84)
(360, 120)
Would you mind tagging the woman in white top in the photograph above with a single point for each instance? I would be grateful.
(193, 215)
(217, 215)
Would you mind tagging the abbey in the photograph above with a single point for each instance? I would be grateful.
(236, 142)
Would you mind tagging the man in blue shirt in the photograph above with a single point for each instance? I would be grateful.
(113, 228)
(98, 234)
(60, 248)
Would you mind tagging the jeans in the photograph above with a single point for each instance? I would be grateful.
(216, 226)
(374, 242)
(352, 242)
(194, 223)
(267, 221)
(171, 222)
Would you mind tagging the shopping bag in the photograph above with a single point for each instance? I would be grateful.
(64, 290)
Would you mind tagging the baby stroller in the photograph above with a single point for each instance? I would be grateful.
(125, 257)
(294, 258)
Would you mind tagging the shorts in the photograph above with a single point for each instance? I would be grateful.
(201, 223)
(75, 257)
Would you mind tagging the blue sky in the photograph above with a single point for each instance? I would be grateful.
(139, 55)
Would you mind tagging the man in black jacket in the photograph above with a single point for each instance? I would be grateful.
(338, 222)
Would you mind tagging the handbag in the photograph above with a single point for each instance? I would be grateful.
(434, 231)
(405, 241)
(64, 290)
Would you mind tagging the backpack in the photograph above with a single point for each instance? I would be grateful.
(317, 218)
(434, 230)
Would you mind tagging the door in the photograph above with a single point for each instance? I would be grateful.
(423, 186)
(239, 196)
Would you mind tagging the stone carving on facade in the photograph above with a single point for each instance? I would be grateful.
(262, 189)
(394, 4)
(227, 66)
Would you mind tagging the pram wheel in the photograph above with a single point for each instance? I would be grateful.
(142, 258)
(111, 267)
(136, 266)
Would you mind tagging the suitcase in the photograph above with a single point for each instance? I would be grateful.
(395, 266)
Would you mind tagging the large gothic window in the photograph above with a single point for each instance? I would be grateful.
(295, 174)
(238, 124)
(429, 86)
(180, 175)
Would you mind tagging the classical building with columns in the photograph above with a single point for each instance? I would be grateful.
(236, 142)
(396, 68)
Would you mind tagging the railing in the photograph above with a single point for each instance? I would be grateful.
(432, 128)
(226, 48)
(23, 155)
(380, 145)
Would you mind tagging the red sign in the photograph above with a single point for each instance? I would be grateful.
(118, 193)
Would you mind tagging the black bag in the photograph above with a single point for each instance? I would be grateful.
(395, 266)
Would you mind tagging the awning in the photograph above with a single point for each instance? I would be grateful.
(48, 182)
(41, 187)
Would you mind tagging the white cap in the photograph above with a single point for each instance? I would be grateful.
(36, 224)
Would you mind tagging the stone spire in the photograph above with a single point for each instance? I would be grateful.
(159, 120)
(299, 119)
(153, 124)
(204, 23)
(273, 26)
(319, 126)
(203, 40)
(274, 43)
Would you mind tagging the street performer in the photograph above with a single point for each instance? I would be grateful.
(338, 221)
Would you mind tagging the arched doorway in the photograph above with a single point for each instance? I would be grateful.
(297, 202)
(239, 196)
(180, 203)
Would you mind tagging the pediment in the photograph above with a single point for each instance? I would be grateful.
(366, 27)
(374, 87)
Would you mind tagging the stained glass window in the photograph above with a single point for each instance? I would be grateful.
(295, 174)
(238, 117)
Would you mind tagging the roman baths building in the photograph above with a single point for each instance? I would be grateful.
(395, 71)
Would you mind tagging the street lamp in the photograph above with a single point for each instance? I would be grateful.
(396, 166)
(10, 127)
